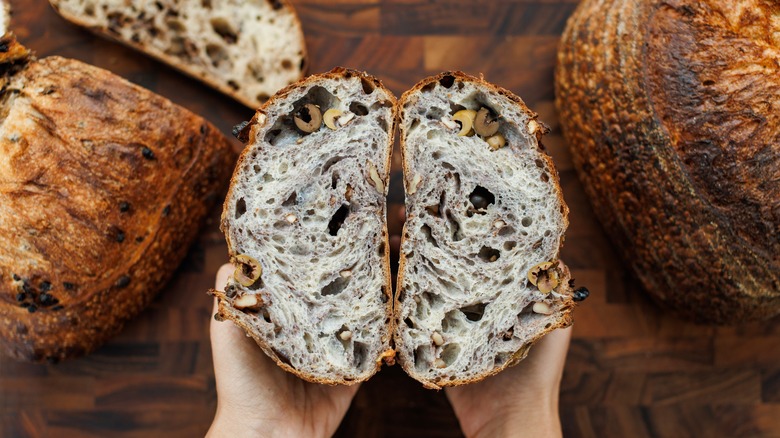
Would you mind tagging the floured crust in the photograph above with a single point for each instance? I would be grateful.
(87, 243)
(254, 132)
(563, 317)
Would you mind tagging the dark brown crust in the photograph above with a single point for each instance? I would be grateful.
(226, 311)
(673, 128)
(565, 318)
(181, 66)
(77, 160)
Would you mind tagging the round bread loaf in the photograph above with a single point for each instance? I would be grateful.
(672, 113)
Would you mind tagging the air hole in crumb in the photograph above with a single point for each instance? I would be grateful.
(361, 353)
(488, 254)
(290, 200)
(415, 124)
(428, 87)
(539, 163)
(287, 64)
(309, 342)
(240, 208)
(507, 280)
(334, 180)
(506, 231)
(447, 81)
(500, 358)
(90, 10)
(408, 322)
(474, 312)
(428, 233)
(454, 107)
(450, 353)
(527, 221)
(336, 286)
(328, 164)
(381, 249)
(447, 165)
(218, 55)
(509, 245)
(337, 221)
(368, 86)
(547, 233)
(358, 108)
(481, 198)
(256, 168)
(545, 177)
(262, 97)
(206, 4)
(224, 29)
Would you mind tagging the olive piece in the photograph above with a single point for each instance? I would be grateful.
(309, 118)
(248, 270)
(581, 293)
(485, 124)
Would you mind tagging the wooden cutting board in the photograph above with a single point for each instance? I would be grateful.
(632, 370)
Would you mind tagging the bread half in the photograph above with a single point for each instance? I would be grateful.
(480, 279)
(245, 49)
(305, 225)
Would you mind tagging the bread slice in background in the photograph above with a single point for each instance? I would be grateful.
(478, 220)
(103, 186)
(309, 210)
(245, 49)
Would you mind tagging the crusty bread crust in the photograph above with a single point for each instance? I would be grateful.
(673, 129)
(189, 69)
(562, 319)
(104, 185)
(227, 312)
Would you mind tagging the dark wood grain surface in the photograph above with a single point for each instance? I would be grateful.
(632, 370)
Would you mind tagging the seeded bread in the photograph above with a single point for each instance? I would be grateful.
(484, 227)
(305, 225)
(102, 187)
(246, 49)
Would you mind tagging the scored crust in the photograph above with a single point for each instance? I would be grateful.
(94, 220)
(270, 120)
(562, 316)
(229, 57)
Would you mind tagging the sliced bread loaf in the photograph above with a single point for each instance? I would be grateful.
(305, 225)
(480, 279)
(246, 49)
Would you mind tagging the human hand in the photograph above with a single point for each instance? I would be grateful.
(257, 398)
(519, 401)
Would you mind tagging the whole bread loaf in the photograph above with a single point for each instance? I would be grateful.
(305, 225)
(480, 279)
(247, 49)
(672, 113)
(103, 185)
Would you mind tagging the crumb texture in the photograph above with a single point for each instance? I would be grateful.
(478, 220)
(249, 49)
(310, 208)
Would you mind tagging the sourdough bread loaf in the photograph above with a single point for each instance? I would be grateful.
(305, 225)
(672, 114)
(480, 278)
(102, 187)
(248, 49)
